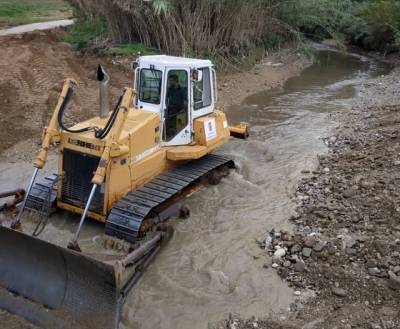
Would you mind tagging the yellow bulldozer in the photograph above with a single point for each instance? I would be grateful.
(128, 168)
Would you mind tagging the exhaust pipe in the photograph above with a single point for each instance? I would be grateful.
(104, 81)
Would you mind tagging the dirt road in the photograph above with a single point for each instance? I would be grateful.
(345, 251)
(35, 27)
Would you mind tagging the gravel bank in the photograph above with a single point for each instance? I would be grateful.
(343, 259)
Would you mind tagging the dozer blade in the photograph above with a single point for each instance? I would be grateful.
(56, 288)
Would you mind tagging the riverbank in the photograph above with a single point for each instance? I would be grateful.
(272, 72)
(343, 258)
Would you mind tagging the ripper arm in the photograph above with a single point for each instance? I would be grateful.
(51, 134)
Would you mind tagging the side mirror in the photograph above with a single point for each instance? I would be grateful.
(197, 75)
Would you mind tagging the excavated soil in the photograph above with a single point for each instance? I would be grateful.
(343, 258)
(33, 67)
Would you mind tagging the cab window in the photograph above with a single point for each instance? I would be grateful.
(150, 86)
(202, 90)
(177, 114)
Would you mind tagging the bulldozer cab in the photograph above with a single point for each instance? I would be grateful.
(179, 90)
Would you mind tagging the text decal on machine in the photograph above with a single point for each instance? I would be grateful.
(87, 145)
(210, 129)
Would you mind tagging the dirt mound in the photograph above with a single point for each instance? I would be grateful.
(32, 68)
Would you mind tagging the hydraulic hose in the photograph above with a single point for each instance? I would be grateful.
(67, 99)
(102, 133)
(99, 133)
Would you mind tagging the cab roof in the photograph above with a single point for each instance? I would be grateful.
(164, 60)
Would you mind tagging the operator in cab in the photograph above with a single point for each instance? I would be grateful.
(177, 103)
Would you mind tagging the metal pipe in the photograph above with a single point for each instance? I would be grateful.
(17, 221)
(19, 196)
(15, 193)
(73, 244)
(104, 81)
(141, 251)
(145, 261)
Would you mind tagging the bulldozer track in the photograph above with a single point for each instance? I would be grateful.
(127, 216)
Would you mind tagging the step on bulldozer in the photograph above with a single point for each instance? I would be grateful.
(128, 168)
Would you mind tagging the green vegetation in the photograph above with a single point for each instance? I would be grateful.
(91, 32)
(370, 24)
(15, 12)
(234, 29)
(83, 33)
(131, 48)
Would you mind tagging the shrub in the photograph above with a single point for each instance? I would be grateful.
(184, 26)
(231, 27)
(83, 33)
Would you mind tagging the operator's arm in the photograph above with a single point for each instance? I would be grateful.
(185, 99)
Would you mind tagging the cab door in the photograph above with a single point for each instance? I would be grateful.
(177, 121)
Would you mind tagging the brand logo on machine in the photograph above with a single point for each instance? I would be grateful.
(84, 144)
(146, 153)
(210, 129)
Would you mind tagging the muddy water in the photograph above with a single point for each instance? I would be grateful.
(212, 265)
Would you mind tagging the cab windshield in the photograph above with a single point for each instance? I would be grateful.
(150, 86)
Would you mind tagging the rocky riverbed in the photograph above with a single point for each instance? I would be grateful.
(343, 257)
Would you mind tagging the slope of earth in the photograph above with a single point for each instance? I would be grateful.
(33, 67)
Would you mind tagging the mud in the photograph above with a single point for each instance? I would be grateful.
(347, 233)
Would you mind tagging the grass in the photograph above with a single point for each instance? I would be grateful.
(131, 48)
(81, 34)
(17, 12)
(84, 34)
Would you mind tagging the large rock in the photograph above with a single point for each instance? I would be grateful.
(299, 266)
(394, 281)
(278, 254)
(307, 252)
(339, 292)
